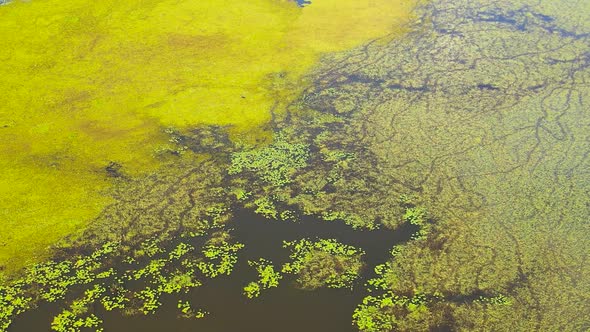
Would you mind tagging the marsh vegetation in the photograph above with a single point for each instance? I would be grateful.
(431, 178)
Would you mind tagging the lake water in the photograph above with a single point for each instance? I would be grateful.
(447, 139)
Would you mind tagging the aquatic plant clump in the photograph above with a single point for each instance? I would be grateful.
(274, 164)
(323, 263)
(252, 290)
(378, 313)
(186, 310)
(268, 277)
(383, 310)
(13, 302)
(76, 317)
(220, 257)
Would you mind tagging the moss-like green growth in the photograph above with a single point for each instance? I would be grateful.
(323, 263)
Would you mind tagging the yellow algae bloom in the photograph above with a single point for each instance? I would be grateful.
(86, 82)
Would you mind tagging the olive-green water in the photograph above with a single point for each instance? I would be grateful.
(432, 180)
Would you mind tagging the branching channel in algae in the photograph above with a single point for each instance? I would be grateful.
(473, 127)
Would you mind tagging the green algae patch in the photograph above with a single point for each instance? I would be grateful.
(86, 84)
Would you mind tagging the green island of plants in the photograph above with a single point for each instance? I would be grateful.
(323, 263)
(268, 277)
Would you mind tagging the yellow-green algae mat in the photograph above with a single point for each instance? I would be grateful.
(86, 82)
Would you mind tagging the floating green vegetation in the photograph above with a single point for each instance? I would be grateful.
(51, 281)
(298, 172)
(384, 310)
(266, 207)
(13, 302)
(186, 310)
(445, 116)
(323, 263)
(116, 297)
(252, 290)
(267, 278)
(479, 114)
(415, 216)
(220, 256)
(77, 318)
(155, 268)
(378, 313)
(418, 216)
(274, 164)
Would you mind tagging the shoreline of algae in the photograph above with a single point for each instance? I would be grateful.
(90, 83)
